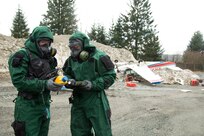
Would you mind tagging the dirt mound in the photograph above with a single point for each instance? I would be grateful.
(9, 44)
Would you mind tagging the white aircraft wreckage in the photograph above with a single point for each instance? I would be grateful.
(155, 72)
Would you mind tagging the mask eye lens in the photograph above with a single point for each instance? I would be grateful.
(75, 44)
(43, 43)
(75, 47)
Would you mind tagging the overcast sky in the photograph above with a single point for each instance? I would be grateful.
(176, 20)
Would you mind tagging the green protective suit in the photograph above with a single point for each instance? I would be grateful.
(90, 109)
(32, 105)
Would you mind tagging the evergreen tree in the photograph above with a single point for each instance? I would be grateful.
(60, 17)
(102, 35)
(192, 53)
(98, 34)
(19, 28)
(93, 34)
(196, 43)
(138, 27)
(151, 50)
(116, 35)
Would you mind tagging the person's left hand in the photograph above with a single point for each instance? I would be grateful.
(86, 84)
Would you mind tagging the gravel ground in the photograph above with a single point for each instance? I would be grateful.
(162, 110)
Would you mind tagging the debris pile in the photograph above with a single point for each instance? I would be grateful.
(171, 76)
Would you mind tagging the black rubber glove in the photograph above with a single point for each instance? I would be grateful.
(71, 84)
(86, 84)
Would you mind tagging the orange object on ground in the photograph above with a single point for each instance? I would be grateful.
(131, 84)
(194, 82)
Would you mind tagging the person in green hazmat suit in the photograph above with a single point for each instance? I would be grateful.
(32, 70)
(90, 72)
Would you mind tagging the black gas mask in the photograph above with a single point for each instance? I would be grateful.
(77, 51)
(45, 48)
(75, 46)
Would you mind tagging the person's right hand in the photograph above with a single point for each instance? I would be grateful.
(71, 83)
(52, 86)
(86, 85)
